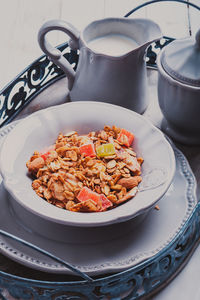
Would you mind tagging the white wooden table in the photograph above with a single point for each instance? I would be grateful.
(20, 21)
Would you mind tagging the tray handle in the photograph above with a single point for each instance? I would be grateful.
(153, 49)
(66, 264)
(155, 1)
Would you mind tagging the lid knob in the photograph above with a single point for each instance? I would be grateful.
(198, 38)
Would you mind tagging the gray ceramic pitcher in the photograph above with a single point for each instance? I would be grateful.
(115, 78)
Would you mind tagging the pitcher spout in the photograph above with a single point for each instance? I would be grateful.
(148, 32)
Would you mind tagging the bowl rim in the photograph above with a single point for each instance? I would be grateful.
(108, 216)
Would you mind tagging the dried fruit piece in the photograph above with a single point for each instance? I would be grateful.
(101, 201)
(85, 194)
(106, 203)
(45, 153)
(125, 137)
(105, 150)
(87, 150)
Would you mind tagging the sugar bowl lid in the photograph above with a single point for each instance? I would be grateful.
(181, 60)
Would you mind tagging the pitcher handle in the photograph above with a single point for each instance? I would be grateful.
(53, 53)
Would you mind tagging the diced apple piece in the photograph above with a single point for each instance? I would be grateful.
(125, 137)
(105, 202)
(87, 150)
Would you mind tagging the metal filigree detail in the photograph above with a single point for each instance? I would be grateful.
(30, 82)
(154, 49)
(22, 90)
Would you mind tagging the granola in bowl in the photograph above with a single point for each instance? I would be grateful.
(87, 173)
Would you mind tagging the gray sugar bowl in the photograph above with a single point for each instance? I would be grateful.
(179, 89)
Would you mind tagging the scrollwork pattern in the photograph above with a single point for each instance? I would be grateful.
(30, 82)
(43, 72)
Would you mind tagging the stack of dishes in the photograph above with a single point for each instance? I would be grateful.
(95, 242)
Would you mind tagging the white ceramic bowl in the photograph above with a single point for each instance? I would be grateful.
(41, 129)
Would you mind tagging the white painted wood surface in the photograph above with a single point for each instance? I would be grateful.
(20, 21)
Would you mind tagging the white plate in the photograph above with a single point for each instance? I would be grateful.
(147, 239)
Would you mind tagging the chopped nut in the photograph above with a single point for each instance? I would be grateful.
(131, 152)
(110, 171)
(116, 177)
(97, 189)
(80, 176)
(36, 184)
(126, 175)
(106, 190)
(88, 205)
(117, 146)
(97, 181)
(36, 164)
(130, 182)
(69, 195)
(116, 187)
(111, 164)
(129, 195)
(126, 170)
(59, 204)
(112, 198)
(69, 205)
(110, 157)
(47, 194)
(91, 163)
(104, 135)
(70, 133)
(140, 160)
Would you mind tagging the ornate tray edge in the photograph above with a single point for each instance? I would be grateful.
(42, 72)
(17, 94)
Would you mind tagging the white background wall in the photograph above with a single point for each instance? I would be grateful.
(20, 21)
